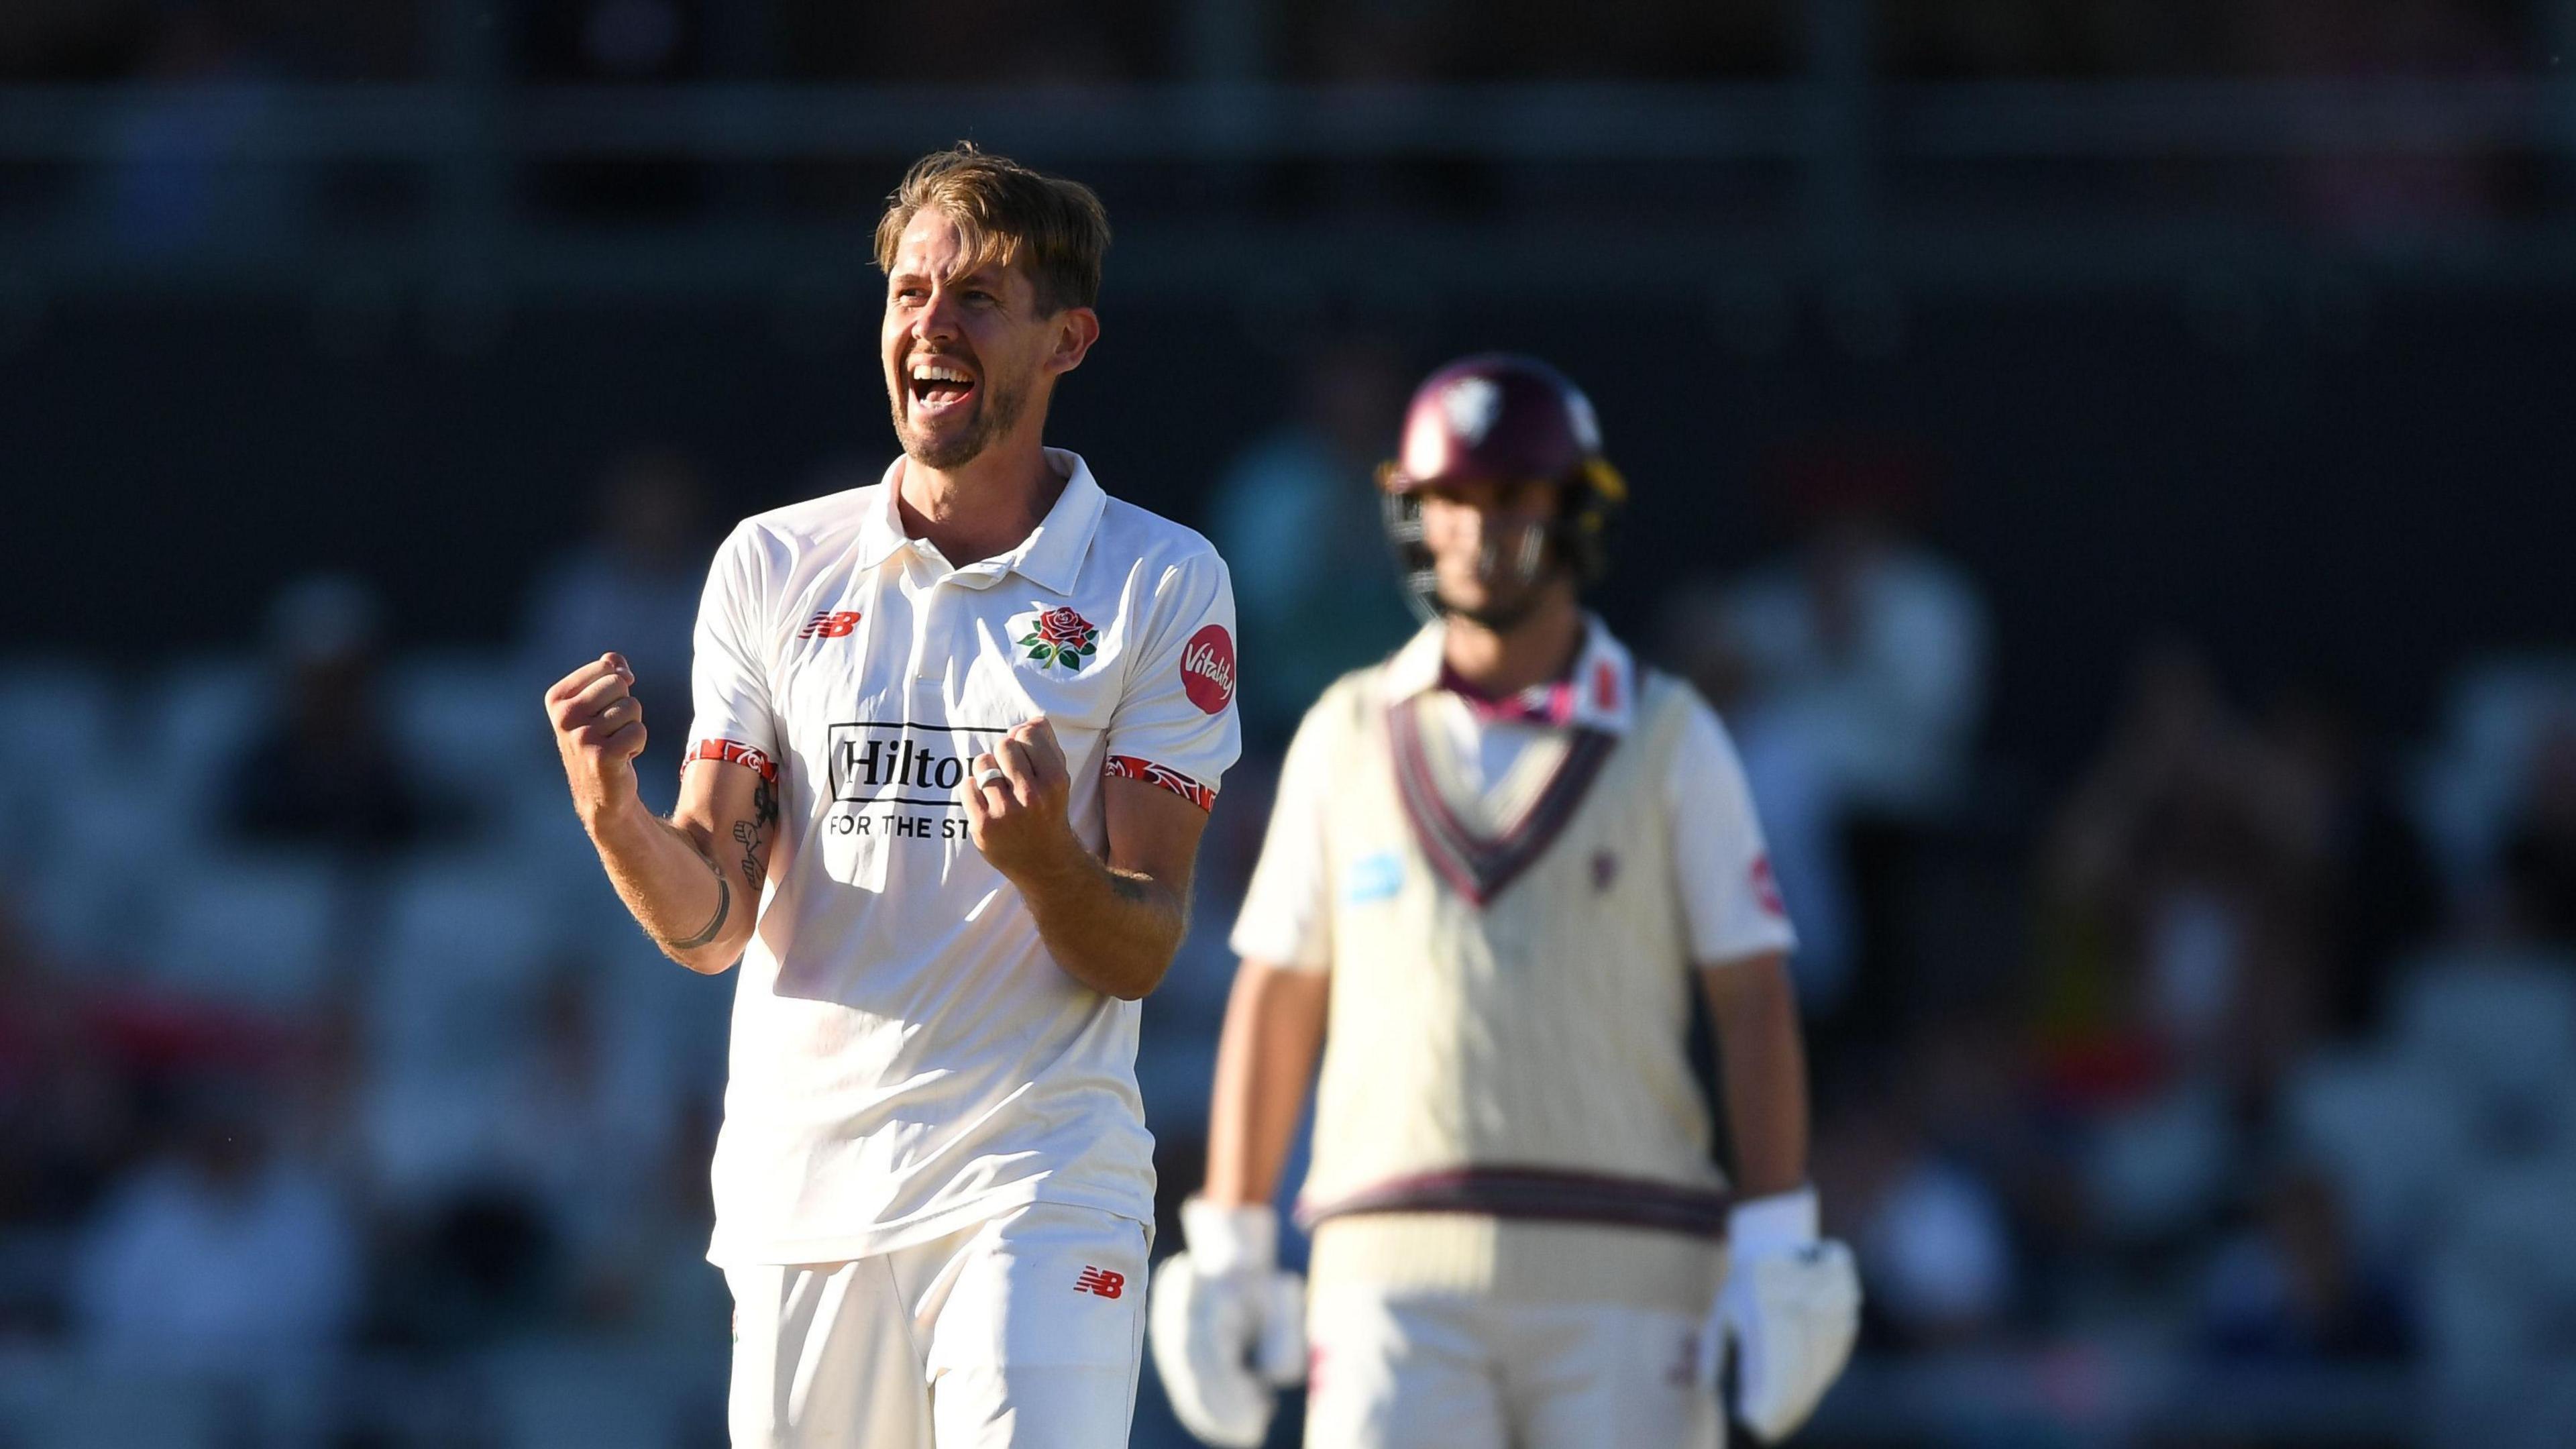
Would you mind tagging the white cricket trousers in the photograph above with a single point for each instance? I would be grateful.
(1022, 1332)
(1411, 1369)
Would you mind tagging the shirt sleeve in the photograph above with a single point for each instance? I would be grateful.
(1729, 900)
(729, 670)
(1175, 726)
(1287, 915)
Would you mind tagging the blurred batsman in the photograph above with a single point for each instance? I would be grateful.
(1497, 861)
(957, 736)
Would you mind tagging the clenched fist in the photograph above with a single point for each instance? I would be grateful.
(1017, 818)
(599, 729)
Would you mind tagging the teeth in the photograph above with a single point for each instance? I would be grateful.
(937, 374)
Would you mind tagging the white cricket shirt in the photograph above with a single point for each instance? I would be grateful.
(907, 1057)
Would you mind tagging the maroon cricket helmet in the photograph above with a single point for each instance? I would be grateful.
(1500, 417)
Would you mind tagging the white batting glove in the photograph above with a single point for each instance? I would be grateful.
(1228, 1327)
(1790, 1306)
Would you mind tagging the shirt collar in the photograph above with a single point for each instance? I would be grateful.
(1050, 557)
(1599, 693)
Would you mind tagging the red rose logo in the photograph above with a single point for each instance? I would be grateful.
(1062, 638)
(1063, 626)
(1207, 669)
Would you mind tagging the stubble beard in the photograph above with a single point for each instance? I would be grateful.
(996, 412)
(1510, 595)
(1499, 616)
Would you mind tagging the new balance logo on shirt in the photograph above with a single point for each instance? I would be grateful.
(830, 625)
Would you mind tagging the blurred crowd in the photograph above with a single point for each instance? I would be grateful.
(2253, 1041)
(1338, 41)
(320, 1034)
(191, 163)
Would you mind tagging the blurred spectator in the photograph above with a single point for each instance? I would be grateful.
(171, 185)
(1296, 516)
(633, 588)
(322, 772)
(2474, 785)
(2539, 866)
(2379, 897)
(2291, 1287)
(1931, 1230)
(64, 1122)
(1934, 1251)
(2189, 889)
(470, 1270)
(2183, 878)
(217, 1255)
(1864, 641)
(1787, 776)
(588, 1153)
(1853, 674)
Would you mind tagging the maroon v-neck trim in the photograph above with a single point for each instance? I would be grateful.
(1476, 866)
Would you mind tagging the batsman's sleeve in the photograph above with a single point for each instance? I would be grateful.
(1287, 916)
(1175, 725)
(730, 658)
(1722, 867)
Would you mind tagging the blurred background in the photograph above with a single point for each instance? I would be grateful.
(2105, 458)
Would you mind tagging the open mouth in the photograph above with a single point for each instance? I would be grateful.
(937, 384)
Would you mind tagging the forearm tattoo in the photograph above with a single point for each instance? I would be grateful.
(724, 908)
(750, 833)
(1143, 890)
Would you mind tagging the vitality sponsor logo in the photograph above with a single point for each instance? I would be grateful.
(1207, 669)
(1766, 888)
(1100, 1281)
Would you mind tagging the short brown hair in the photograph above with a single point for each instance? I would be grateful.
(1055, 229)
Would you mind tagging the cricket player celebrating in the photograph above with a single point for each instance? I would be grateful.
(1497, 860)
(957, 735)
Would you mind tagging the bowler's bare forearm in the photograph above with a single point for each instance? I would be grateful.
(1754, 1011)
(1114, 930)
(678, 890)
